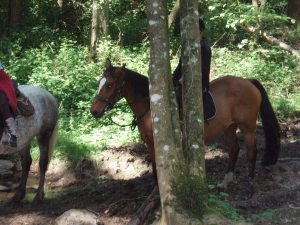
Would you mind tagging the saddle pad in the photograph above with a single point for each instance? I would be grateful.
(25, 108)
(209, 106)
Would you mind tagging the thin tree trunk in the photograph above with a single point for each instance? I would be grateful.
(165, 117)
(272, 40)
(192, 95)
(174, 13)
(294, 9)
(15, 14)
(60, 3)
(104, 18)
(94, 32)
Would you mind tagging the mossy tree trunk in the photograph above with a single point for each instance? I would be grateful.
(192, 91)
(180, 193)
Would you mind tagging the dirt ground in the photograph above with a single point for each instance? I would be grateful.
(116, 183)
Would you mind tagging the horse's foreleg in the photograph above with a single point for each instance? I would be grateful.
(43, 166)
(26, 161)
(234, 148)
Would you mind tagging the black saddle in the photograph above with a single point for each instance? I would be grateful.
(209, 106)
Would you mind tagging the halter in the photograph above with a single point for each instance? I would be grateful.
(110, 102)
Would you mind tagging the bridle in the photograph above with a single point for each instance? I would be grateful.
(110, 102)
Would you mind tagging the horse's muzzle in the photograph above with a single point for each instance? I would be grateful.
(97, 114)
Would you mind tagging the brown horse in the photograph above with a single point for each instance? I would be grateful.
(238, 102)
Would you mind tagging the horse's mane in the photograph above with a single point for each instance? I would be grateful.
(139, 81)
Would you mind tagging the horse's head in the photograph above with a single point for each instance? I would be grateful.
(110, 89)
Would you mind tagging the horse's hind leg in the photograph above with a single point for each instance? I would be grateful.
(43, 142)
(249, 138)
(26, 161)
(234, 148)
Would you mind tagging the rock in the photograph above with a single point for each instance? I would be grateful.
(78, 217)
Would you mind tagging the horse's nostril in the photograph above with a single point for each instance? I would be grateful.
(94, 113)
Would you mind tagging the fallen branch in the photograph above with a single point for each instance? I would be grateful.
(271, 39)
(149, 205)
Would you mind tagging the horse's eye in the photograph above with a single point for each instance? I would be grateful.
(109, 86)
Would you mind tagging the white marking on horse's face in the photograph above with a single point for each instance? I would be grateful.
(101, 83)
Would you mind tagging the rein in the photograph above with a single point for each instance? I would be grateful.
(134, 121)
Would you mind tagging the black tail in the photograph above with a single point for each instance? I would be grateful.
(270, 126)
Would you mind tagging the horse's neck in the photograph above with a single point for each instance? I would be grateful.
(138, 104)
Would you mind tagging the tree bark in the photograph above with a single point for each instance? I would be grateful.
(15, 14)
(294, 9)
(165, 117)
(104, 18)
(94, 32)
(192, 95)
(174, 175)
(60, 3)
(272, 40)
(174, 13)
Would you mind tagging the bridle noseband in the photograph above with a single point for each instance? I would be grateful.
(110, 102)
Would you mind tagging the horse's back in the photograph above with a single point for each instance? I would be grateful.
(236, 89)
(41, 99)
(237, 101)
(46, 111)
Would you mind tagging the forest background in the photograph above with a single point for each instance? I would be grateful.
(46, 43)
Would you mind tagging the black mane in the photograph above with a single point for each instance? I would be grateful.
(139, 81)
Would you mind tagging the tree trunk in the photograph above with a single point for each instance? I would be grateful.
(60, 3)
(174, 13)
(94, 32)
(104, 18)
(192, 100)
(177, 185)
(15, 14)
(294, 9)
(164, 115)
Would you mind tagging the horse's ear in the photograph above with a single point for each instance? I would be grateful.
(107, 64)
(121, 70)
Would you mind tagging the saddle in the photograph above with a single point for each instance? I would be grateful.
(24, 108)
(209, 106)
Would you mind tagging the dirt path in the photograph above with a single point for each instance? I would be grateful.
(117, 184)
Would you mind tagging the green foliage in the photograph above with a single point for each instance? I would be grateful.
(266, 215)
(130, 22)
(221, 206)
(218, 203)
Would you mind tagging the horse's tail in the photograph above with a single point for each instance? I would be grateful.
(52, 141)
(270, 126)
